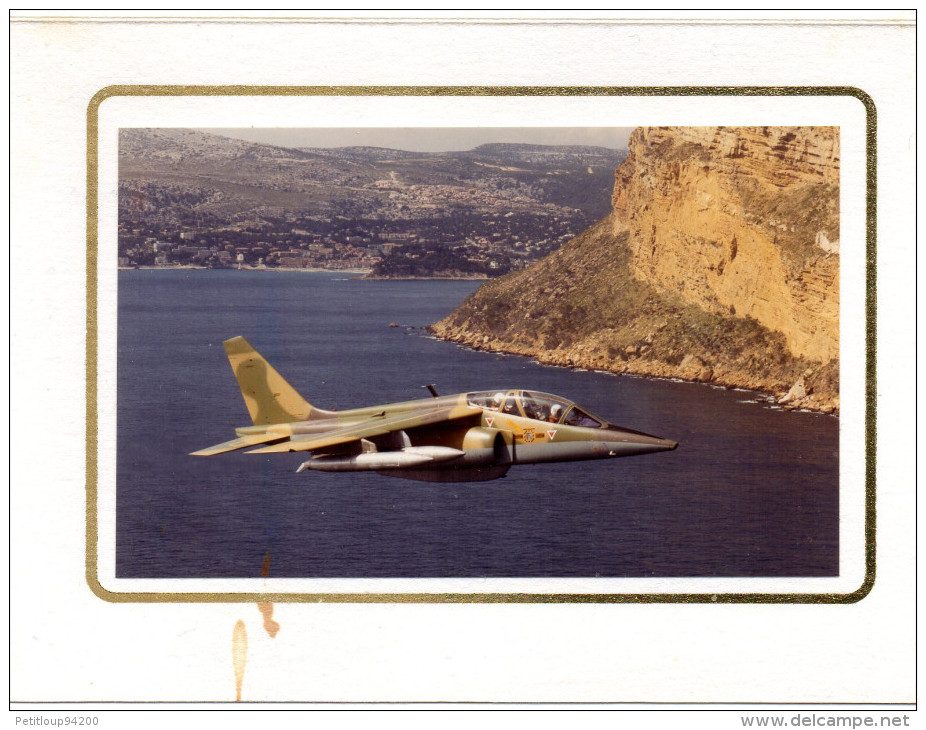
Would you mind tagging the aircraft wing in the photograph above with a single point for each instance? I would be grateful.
(372, 427)
(239, 443)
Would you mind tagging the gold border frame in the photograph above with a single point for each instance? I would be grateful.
(92, 415)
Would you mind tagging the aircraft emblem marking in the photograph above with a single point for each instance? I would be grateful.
(551, 434)
(528, 435)
(489, 421)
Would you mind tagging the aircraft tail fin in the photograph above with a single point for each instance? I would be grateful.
(268, 397)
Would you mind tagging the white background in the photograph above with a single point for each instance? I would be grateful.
(68, 645)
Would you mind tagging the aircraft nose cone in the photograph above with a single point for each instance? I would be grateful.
(628, 443)
(658, 444)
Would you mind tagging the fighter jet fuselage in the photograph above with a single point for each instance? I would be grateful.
(464, 437)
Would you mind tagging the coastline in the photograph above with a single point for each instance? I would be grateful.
(426, 278)
(359, 273)
(788, 399)
(777, 398)
(191, 267)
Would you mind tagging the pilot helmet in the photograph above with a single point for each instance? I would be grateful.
(556, 410)
(497, 398)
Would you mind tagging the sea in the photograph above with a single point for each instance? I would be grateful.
(752, 490)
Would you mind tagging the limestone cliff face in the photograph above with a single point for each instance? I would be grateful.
(719, 262)
(740, 219)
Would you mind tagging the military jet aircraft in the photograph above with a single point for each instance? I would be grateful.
(467, 437)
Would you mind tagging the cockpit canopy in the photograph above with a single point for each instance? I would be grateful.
(539, 406)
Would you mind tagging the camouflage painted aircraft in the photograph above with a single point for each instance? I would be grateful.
(452, 438)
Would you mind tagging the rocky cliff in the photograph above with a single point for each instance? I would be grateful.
(718, 262)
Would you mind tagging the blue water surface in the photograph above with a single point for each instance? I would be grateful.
(751, 491)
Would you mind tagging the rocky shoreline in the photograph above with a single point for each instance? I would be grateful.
(808, 392)
(480, 277)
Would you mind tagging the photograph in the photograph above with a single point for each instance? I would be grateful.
(491, 317)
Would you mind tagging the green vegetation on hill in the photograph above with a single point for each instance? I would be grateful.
(483, 211)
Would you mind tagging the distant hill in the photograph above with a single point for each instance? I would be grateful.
(214, 200)
(371, 179)
(543, 154)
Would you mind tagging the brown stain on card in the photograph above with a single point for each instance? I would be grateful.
(239, 655)
(271, 626)
(265, 607)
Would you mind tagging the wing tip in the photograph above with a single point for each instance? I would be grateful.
(238, 443)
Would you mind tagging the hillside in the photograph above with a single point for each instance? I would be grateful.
(519, 176)
(482, 211)
(719, 262)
